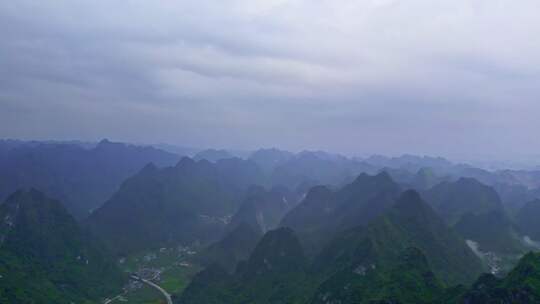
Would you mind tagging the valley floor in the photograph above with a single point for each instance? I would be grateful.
(156, 274)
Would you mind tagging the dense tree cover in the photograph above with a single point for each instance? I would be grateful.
(493, 231)
(352, 240)
(452, 200)
(388, 259)
(46, 258)
(521, 285)
(233, 248)
(528, 219)
(264, 209)
(276, 272)
(410, 222)
(190, 202)
(406, 279)
(325, 212)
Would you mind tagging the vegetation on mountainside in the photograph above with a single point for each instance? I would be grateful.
(46, 258)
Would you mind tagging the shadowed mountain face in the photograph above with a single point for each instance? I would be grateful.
(324, 212)
(476, 212)
(409, 223)
(528, 220)
(176, 205)
(81, 178)
(46, 258)
(263, 209)
(516, 196)
(452, 200)
(234, 247)
(259, 212)
(406, 279)
(362, 241)
(274, 273)
(405, 255)
(521, 285)
(493, 231)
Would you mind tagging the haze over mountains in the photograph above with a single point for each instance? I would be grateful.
(273, 227)
(270, 152)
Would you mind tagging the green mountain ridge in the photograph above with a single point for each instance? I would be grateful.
(264, 209)
(232, 248)
(388, 259)
(452, 200)
(521, 285)
(46, 258)
(407, 279)
(409, 223)
(274, 273)
(324, 212)
(187, 203)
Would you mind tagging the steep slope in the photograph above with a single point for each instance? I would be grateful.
(409, 223)
(406, 255)
(528, 220)
(274, 273)
(493, 231)
(210, 286)
(476, 213)
(269, 159)
(319, 167)
(46, 258)
(407, 279)
(233, 248)
(521, 285)
(82, 179)
(516, 196)
(183, 204)
(426, 178)
(452, 200)
(324, 212)
(263, 209)
(240, 173)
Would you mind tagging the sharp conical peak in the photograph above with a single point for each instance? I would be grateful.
(185, 162)
(410, 202)
(149, 168)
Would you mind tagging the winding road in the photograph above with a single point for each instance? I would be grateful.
(149, 283)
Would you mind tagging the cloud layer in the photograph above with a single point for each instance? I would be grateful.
(442, 77)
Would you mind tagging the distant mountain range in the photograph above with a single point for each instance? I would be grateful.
(84, 175)
(272, 227)
(81, 177)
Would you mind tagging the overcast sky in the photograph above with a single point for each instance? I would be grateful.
(447, 77)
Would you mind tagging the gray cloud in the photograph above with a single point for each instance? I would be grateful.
(440, 77)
